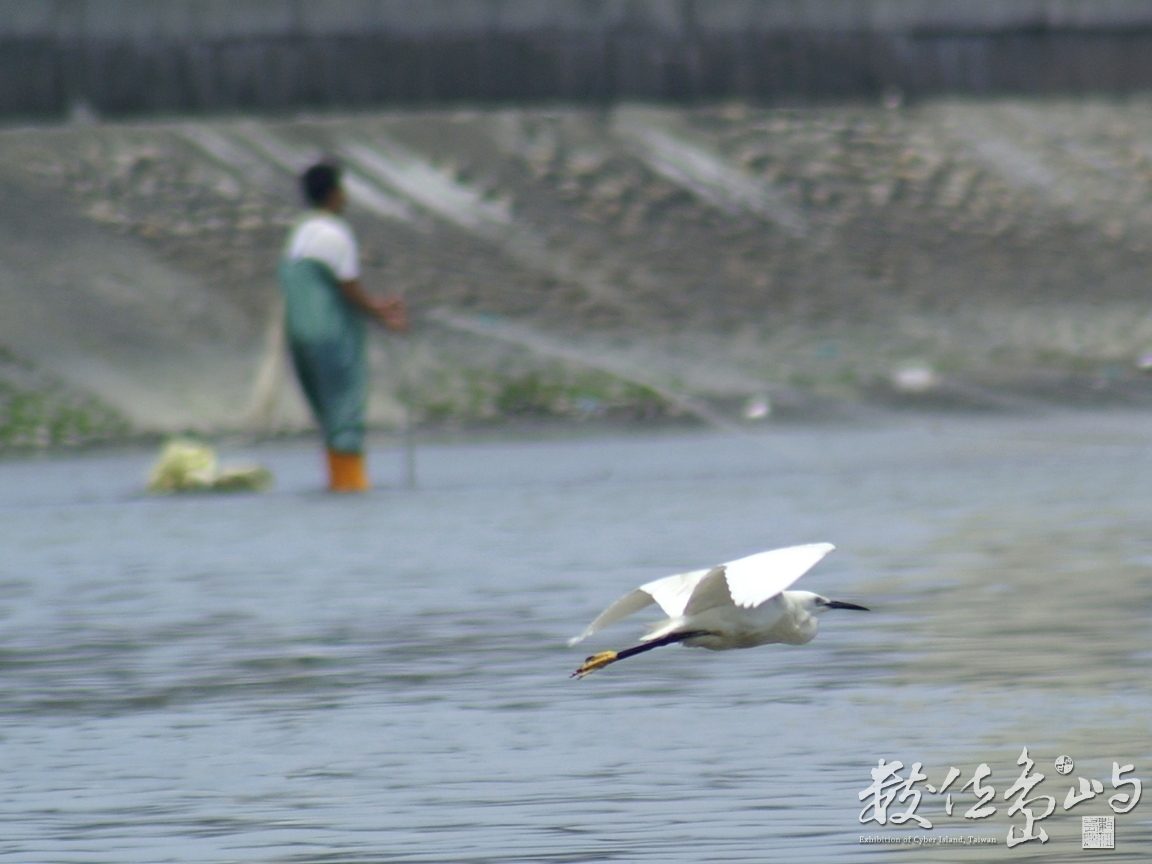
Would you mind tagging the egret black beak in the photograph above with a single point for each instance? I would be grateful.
(840, 604)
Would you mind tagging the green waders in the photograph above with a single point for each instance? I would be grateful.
(327, 338)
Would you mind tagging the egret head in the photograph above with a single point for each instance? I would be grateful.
(815, 604)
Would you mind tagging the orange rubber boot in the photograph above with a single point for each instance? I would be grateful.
(347, 472)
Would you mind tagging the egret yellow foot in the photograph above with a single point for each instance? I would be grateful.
(596, 661)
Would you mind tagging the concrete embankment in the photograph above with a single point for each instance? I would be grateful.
(571, 262)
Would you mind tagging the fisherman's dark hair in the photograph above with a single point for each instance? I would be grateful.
(320, 181)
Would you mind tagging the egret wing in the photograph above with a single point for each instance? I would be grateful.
(710, 592)
(704, 592)
(671, 592)
(674, 592)
(629, 604)
(757, 578)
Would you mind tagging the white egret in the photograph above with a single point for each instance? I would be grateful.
(740, 604)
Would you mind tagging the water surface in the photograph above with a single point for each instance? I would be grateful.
(297, 677)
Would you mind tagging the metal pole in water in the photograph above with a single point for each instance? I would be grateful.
(409, 449)
(409, 432)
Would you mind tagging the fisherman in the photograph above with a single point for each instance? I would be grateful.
(326, 318)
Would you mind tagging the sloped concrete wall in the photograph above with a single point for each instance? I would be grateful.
(94, 308)
(126, 57)
(717, 252)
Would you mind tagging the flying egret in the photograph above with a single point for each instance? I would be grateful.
(740, 604)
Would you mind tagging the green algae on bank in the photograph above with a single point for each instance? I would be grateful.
(38, 411)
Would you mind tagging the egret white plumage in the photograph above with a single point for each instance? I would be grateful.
(740, 604)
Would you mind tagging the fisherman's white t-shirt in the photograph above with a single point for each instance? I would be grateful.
(326, 238)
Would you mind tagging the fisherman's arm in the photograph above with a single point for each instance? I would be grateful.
(389, 311)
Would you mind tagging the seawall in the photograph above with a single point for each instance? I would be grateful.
(125, 57)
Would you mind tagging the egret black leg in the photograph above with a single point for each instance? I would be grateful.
(599, 661)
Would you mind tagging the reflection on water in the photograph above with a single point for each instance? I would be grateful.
(294, 677)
